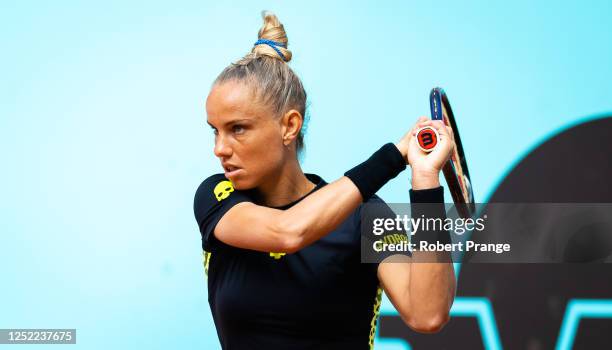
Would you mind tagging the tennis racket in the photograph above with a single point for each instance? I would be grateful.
(455, 170)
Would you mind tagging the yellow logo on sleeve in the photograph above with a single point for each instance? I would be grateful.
(277, 255)
(223, 190)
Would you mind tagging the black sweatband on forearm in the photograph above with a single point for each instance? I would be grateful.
(429, 204)
(371, 175)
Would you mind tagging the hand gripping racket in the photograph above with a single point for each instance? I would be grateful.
(455, 170)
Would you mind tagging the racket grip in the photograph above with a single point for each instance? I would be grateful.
(427, 138)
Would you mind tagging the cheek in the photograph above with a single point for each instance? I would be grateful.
(268, 151)
(264, 152)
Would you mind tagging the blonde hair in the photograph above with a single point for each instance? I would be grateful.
(275, 83)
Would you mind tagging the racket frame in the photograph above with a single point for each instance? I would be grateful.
(455, 171)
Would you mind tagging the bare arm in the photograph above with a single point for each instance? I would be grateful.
(292, 229)
(423, 292)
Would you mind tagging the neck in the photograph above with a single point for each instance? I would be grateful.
(285, 186)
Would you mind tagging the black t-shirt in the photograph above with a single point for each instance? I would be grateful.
(321, 297)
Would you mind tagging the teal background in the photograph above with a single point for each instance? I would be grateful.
(103, 136)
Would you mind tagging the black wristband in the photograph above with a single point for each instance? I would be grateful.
(429, 204)
(371, 175)
(430, 195)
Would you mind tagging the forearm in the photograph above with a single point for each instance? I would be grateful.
(431, 288)
(421, 287)
(320, 212)
(325, 209)
(314, 216)
(292, 229)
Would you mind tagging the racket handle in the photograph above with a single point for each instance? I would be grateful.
(427, 138)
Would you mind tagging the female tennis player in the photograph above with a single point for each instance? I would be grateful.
(282, 248)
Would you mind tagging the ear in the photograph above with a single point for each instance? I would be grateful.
(291, 124)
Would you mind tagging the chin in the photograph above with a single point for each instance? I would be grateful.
(241, 182)
(238, 185)
(248, 180)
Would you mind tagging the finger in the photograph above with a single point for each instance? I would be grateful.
(451, 133)
(416, 128)
(423, 124)
(440, 127)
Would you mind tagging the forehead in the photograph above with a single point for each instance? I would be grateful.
(231, 100)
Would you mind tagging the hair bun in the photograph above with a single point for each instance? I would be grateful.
(272, 29)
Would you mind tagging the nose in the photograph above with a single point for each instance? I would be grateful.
(222, 148)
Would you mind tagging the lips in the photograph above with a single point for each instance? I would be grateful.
(230, 170)
(229, 167)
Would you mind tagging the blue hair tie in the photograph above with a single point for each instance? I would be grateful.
(273, 44)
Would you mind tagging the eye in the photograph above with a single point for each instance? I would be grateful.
(215, 131)
(238, 129)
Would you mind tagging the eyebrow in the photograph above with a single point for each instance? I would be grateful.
(230, 122)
